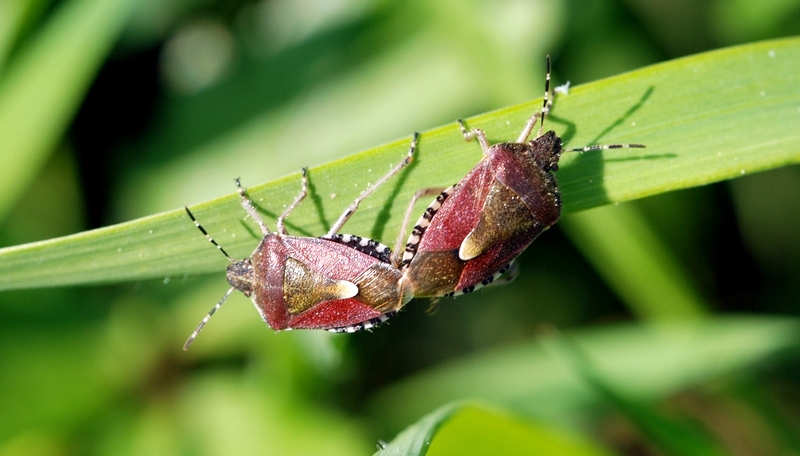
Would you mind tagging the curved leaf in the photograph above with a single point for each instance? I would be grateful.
(416, 439)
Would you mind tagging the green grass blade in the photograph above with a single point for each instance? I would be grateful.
(12, 16)
(483, 430)
(537, 378)
(704, 118)
(459, 429)
(622, 247)
(44, 85)
(416, 439)
(676, 435)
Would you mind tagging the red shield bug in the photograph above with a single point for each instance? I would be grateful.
(337, 282)
(472, 232)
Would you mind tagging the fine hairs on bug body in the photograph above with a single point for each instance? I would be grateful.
(336, 282)
(472, 232)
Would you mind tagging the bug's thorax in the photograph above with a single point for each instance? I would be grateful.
(240, 275)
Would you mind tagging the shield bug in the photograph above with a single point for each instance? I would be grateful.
(471, 233)
(336, 282)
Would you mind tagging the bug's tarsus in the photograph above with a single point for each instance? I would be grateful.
(354, 205)
(205, 320)
(250, 208)
(202, 230)
(474, 133)
(433, 306)
(300, 197)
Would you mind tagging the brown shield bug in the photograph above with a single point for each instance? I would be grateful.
(472, 232)
(336, 282)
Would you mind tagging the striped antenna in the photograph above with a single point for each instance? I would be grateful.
(546, 102)
(202, 230)
(605, 147)
(205, 320)
(221, 301)
(594, 147)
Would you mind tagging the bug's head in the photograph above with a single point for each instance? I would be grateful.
(241, 276)
(546, 151)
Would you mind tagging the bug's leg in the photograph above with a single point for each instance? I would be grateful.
(474, 133)
(507, 277)
(354, 205)
(433, 306)
(504, 275)
(529, 127)
(248, 206)
(410, 210)
(300, 197)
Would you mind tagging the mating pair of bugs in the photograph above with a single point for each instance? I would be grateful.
(466, 239)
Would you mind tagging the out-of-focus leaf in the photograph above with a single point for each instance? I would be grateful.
(44, 84)
(279, 112)
(623, 248)
(460, 429)
(676, 436)
(647, 361)
(480, 431)
(416, 439)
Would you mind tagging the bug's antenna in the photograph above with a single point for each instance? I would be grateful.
(546, 110)
(538, 116)
(210, 239)
(605, 147)
(205, 320)
(545, 104)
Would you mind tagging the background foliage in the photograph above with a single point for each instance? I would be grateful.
(675, 314)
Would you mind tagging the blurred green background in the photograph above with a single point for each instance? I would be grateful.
(161, 104)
